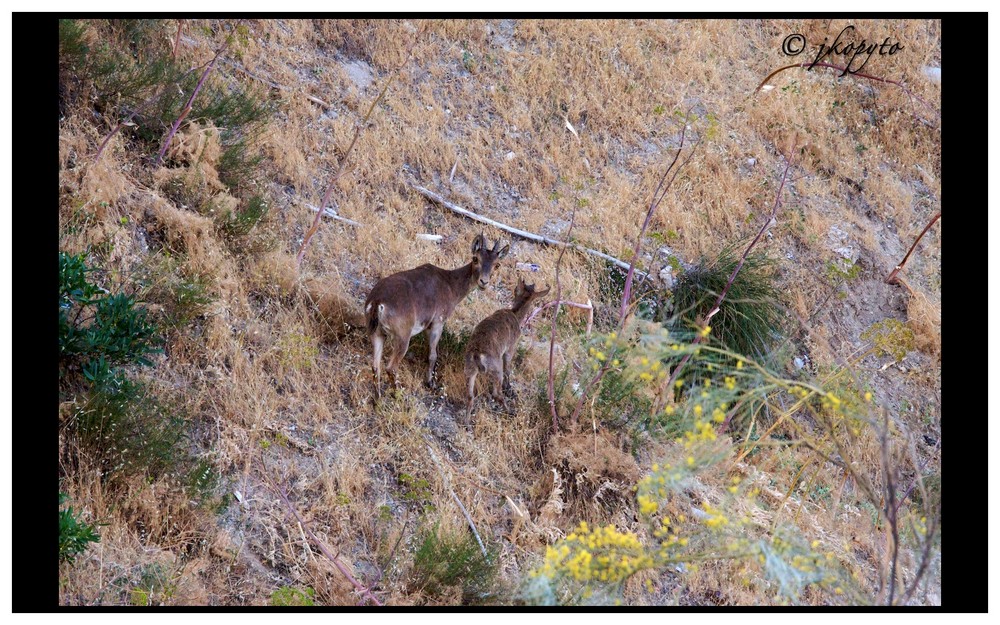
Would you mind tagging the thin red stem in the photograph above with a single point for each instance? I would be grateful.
(844, 69)
(732, 278)
(194, 94)
(891, 278)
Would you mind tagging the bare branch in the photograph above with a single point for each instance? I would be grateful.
(465, 513)
(322, 547)
(552, 334)
(589, 306)
(343, 160)
(912, 95)
(892, 278)
(156, 96)
(658, 194)
(177, 39)
(332, 214)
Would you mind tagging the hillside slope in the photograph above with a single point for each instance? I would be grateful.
(544, 126)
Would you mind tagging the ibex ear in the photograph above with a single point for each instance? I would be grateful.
(477, 243)
(503, 252)
(520, 287)
(543, 293)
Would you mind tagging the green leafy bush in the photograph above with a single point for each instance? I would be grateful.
(74, 535)
(240, 223)
(72, 45)
(890, 337)
(133, 70)
(100, 332)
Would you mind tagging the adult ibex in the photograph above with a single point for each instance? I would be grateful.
(493, 342)
(404, 304)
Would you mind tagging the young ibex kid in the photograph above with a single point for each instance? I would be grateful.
(493, 342)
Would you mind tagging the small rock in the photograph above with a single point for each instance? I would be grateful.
(667, 278)
(751, 161)
(360, 73)
(840, 244)
(934, 73)
(509, 156)
(799, 363)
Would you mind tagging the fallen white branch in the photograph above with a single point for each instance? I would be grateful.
(589, 306)
(329, 212)
(517, 231)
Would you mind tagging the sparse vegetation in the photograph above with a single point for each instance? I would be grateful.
(219, 429)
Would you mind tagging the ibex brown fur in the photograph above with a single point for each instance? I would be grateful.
(493, 342)
(404, 304)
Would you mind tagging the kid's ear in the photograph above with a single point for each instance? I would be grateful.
(543, 293)
(477, 243)
(503, 252)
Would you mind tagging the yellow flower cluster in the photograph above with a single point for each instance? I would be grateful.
(716, 518)
(647, 505)
(798, 390)
(650, 370)
(598, 354)
(603, 554)
(703, 432)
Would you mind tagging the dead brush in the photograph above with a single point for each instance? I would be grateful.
(493, 342)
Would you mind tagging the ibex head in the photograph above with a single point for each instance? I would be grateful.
(524, 293)
(483, 258)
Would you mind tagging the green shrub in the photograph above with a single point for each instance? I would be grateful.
(442, 562)
(417, 491)
(750, 317)
(890, 337)
(619, 401)
(157, 586)
(289, 596)
(73, 48)
(74, 535)
(648, 302)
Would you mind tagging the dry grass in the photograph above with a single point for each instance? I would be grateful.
(273, 379)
